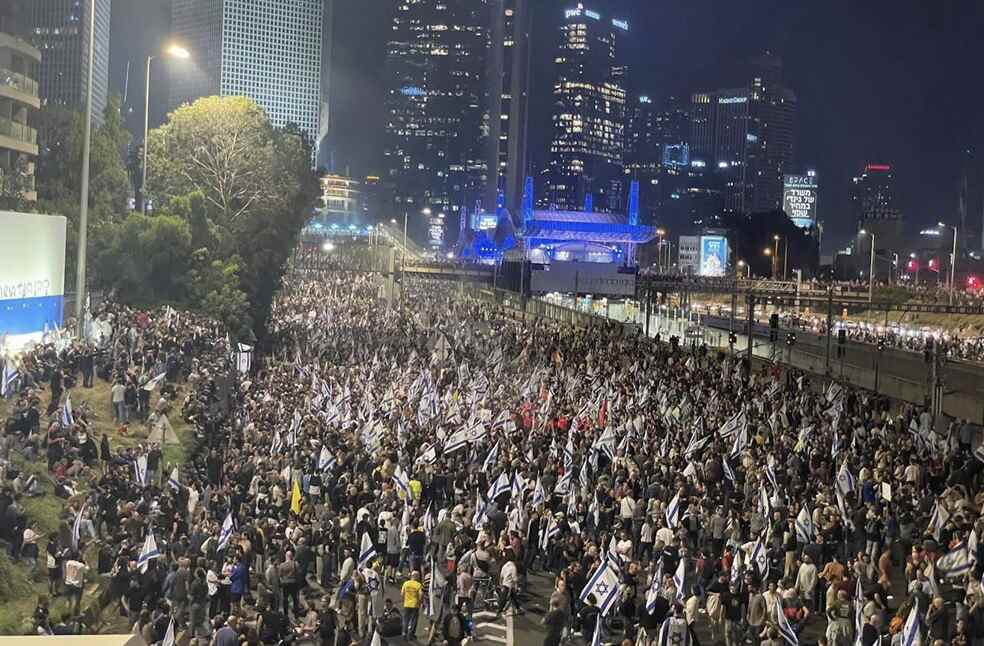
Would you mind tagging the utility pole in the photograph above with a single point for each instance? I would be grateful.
(830, 325)
(750, 307)
(84, 204)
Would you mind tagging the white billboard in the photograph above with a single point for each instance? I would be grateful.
(32, 275)
(596, 278)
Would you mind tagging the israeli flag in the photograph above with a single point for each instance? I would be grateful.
(539, 495)
(673, 512)
(491, 459)
(729, 471)
(173, 480)
(679, 578)
(604, 585)
(169, 635)
(480, 515)
(77, 528)
(741, 441)
(429, 521)
(858, 610)
(955, 563)
(938, 520)
(148, 552)
(761, 559)
(402, 482)
(140, 470)
(910, 632)
(736, 568)
(551, 530)
(67, 418)
(770, 473)
(674, 632)
(652, 594)
(326, 460)
(787, 632)
(228, 527)
(367, 552)
(517, 487)
(457, 441)
(10, 377)
(804, 526)
(845, 480)
(153, 383)
(563, 486)
(500, 486)
(596, 637)
(569, 453)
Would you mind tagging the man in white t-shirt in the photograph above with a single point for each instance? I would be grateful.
(75, 582)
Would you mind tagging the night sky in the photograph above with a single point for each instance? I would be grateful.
(894, 82)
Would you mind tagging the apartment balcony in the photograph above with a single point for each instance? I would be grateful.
(19, 137)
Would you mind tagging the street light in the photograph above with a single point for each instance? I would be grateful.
(174, 51)
(84, 199)
(953, 258)
(748, 269)
(660, 232)
(871, 268)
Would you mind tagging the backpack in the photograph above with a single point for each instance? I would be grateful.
(454, 629)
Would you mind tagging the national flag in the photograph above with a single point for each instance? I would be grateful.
(736, 568)
(938, 520)
(148, 552)
(596, 636)
(604, 585)
(741, 441)
(770, 473)
(10, 377)
(481, 509)
(845, 480)
(652, 594)
(436, 588)
(563, 486)
(491, 459)
(584, 477)
(787, 632)
(500, 486)
(764, 503)
(539, 495)
(760, 559)
(295, 497)
(673, 632)
(673, 512)
(517, 486)
(326, 460)
(140, 470)
(955, 563)
(729, 471)
(67, 418)
(173, 480)
(429, 521)
(732, 426)
(225, 533)
(153, 383)
(367, 552)
(458, 440)
(804, 526)
(910, 632)
(551, 530)
(679, 578)
(569, 453)
(169, 634)
(858, 610)
(842, 507)
(77, 528)
(402, 482)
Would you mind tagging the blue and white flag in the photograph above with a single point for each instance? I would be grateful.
(761, 559)
(674, 632)
(539, 495)
(737, 565)
(10, 378)
(563, 486)
(804, 526)
(77, 528)
(402, 482)
(140, 470)
(551, 530)
(729, 471)
(500, 486)
(173, 480)
(458, 440)
(596, 636)
(67, 418)
(429, 521)
(169, 635)
(858, 611)
(584, 477)
(652, 594)
(938, 520)
(673, 512)
(770, 473)
(732, 426)
(787, 632)
(845, 480)
(569, 453)
(955, 563)
(326, 460)
(491, 460)
(367, 552)
(679, 578)
(153, 383)
(517, 486)
(910, 632)
(604, 585)
(148, 552)
(225, 533)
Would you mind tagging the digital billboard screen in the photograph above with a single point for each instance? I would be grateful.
(713, 255)
(799, 199)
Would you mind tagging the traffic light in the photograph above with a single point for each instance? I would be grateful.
(790, 339)
(880, 345)
(732, 338)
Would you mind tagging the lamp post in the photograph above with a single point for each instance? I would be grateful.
(871, 265)
(914, 257)
(748, 269)
(775, 258)
(659, 248)
(175, 52)
(953, 259)
(84, 204)
(768, 252)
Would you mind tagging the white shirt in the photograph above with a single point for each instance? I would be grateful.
(75, 573)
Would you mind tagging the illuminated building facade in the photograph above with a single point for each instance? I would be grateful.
(588, 143)
(746, 136)
(60, 29)
(435, 153)
(876, 210)
(508, 101)
(268, 50)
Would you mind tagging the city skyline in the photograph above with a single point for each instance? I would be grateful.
(879, 82)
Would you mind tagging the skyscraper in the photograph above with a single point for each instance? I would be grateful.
(746, 134)
(436, 153)
(970, 199)
(588, 142)
(268, 50)
(60, 29)
(19, 103)
(876, 209)
(507, 94)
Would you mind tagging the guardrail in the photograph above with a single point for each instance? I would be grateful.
(19, 81)
(18, 131)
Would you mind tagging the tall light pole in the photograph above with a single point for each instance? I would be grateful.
(772, 261)
(176, 52)
(871, 267)
(659, 248)
(953, 258)
(84, 204)
(775, 258)
(748, 269)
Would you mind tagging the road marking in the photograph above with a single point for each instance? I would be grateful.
(492, 629)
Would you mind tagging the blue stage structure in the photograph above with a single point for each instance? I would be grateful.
(551, 235)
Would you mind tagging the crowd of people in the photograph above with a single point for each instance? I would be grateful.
(385, 472)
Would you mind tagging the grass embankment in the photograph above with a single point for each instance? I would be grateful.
(20, 585)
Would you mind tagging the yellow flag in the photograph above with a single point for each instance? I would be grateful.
(295, 498)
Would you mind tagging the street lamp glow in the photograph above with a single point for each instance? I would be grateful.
(863, 232)
(741, 263)
(178, 52)
(450, 255)
(327, 247)
(426, 210)
(767, 251)
(776, 237)
(392, 220)
(661, 232)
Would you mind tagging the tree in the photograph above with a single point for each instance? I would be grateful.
(15, 184)
(221, 146)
